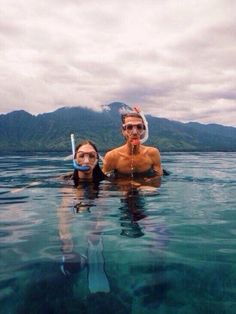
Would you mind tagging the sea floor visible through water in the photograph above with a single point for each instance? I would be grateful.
(118, 249)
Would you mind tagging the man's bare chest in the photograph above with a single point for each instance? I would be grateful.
(136, 162)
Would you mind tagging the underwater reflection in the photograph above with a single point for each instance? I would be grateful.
(132, 210)
(88, 231)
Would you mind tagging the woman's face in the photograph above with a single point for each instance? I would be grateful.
(86, 155)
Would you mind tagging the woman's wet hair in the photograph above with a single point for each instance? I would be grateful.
(98, 175)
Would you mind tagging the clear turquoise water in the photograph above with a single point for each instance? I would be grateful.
(167, 250)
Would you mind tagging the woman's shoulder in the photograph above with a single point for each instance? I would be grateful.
(67, 176)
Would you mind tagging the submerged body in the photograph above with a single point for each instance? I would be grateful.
(86, 177)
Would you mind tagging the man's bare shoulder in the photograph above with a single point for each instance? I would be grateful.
(151, 150)
(110, 159)
(113, 152)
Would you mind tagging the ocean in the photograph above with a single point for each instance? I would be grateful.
(118, 249)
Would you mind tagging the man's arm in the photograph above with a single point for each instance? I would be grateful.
(108, 162)
(156, 159)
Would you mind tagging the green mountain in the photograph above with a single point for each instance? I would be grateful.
(21, 131)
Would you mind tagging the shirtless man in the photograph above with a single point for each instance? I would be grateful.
(133, 158)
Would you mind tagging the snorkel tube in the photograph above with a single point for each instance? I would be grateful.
(146, 133)
(75, 164)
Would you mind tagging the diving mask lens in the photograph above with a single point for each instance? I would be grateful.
(129, 127)
(91, 156)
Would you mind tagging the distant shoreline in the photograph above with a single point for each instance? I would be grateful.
(50, 132)
(66, 153)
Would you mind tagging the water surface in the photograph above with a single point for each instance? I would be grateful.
(169, 249)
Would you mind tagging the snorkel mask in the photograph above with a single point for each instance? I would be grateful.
(75, 164)
(126, 111)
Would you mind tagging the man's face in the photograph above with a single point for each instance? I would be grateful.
(133, 128)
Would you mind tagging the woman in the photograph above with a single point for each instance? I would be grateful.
(87, 176)
(86, 163)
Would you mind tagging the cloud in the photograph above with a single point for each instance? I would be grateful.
(175, 58)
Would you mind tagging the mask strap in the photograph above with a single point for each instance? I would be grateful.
(146, 133)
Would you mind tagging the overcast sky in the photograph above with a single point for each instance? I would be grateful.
(176, 58)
